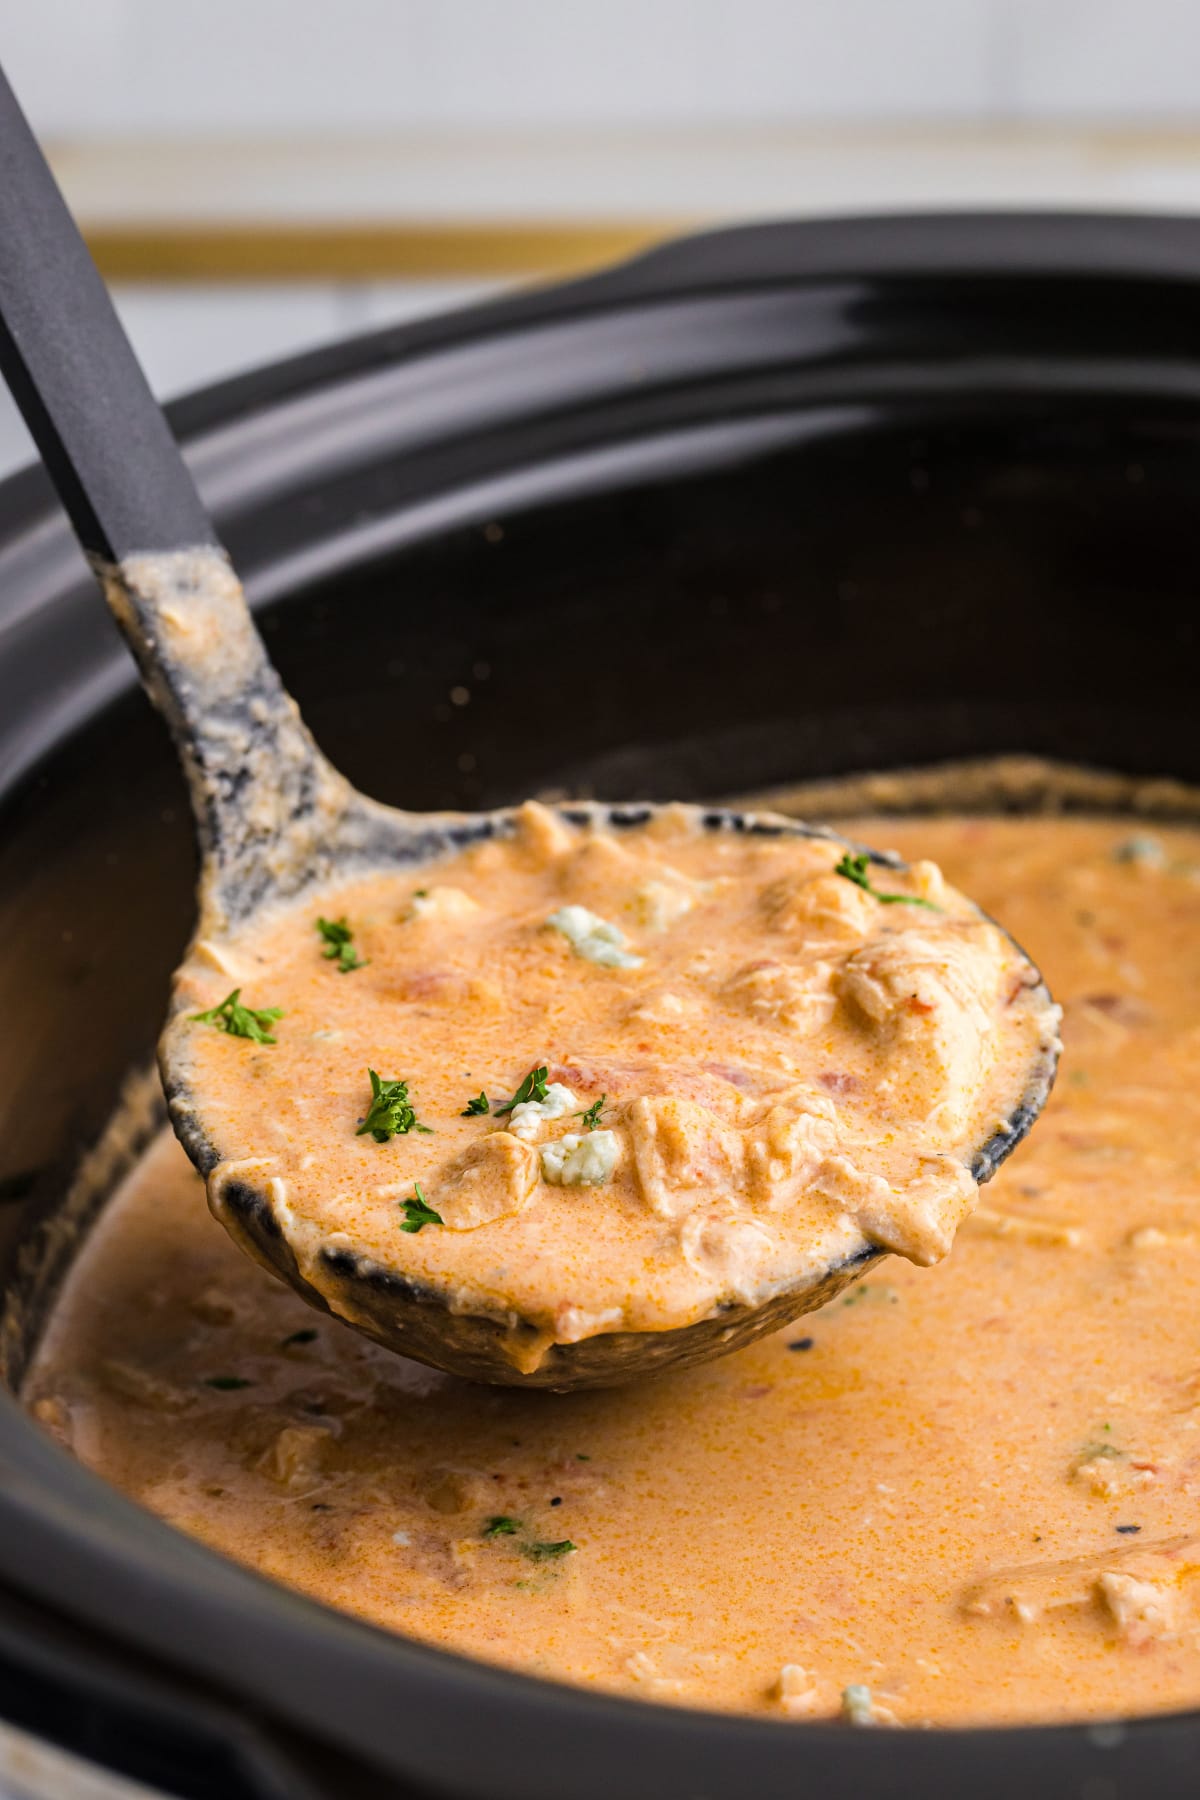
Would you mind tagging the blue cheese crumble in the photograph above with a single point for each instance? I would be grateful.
(593, 937)
(1145, 851)
(860, 1707)
(578, 1160)
(530, 1115)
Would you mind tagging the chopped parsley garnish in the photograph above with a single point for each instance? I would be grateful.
(501, 1525)
(475, 1108)
(339, 945)
(533, 1549)
(389, 1114)
(854, 868)
(241, 1021)
(300, 1337)
(532, 1088)
(539, 1552)
(228, 1384)
(418, 1212)
(591, 1117)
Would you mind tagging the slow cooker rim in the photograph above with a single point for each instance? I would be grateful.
(1022, 263)
(922, 246)
(996, 244)
(1100, 246)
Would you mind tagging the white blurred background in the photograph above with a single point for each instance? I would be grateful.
(256, 176)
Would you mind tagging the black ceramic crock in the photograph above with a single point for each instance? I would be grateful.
(774, 503)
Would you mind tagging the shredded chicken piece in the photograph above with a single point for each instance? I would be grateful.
(1142, 1610)
(682, 1154)
(1109, 1473)
(441, 904)
(797, 996)
(787, 1148)
(933, 1000)
(659, 904)
(824, 909)
(799, 1693)
(1027, 1595)
(139, 1385)
(455, 1490)
(732, 1251)
(540, 831)
(214, 1306)
(297, 1455)
(1049, 1233)
(491, 1180)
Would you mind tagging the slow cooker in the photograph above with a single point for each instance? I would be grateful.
(768, 505)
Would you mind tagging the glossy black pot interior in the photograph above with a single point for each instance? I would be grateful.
(771, 504)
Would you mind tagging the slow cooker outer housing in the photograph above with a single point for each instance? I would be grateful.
(777, 502)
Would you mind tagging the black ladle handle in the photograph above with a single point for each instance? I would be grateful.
(72, 371)
(267, 804)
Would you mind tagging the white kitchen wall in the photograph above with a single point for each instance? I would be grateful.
(1131, 60)
(363, 65)
(121, 67)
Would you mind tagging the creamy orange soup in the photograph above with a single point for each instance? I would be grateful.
(596, 1081)
(965, 1493)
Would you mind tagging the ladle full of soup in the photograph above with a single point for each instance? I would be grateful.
(534, 1097)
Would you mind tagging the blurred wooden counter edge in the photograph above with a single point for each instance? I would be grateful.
(494, 205)
(271, 251)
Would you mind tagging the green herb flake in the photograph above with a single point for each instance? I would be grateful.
(541, 1552)
(580, 1457)
(532, 1088)
(306, 1336)
(501, 1525)
(475, 1109)
(854, 868)
(418, 1212)
(227, 1384)
(591, 1117)
(339, 945)
(389, 1114)
(241, 1021)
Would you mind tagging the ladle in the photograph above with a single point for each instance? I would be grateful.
(273, 817)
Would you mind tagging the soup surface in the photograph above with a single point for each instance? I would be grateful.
(958, 1494)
